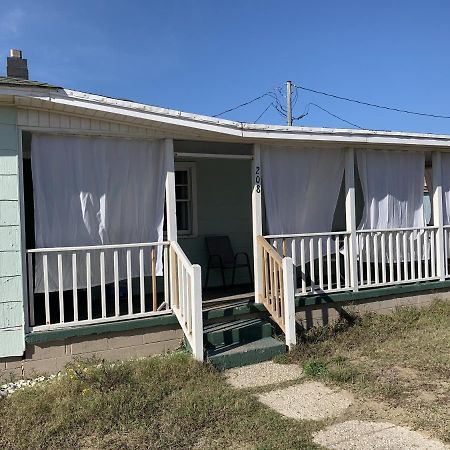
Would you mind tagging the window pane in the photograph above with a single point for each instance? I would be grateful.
(183, 216)
(181, 192)
(181, 177)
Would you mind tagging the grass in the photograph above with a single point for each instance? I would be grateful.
(169, 402)
(399, 363)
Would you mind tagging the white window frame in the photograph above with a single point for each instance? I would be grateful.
(190, 167)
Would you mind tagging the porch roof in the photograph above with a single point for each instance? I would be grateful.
(182, 125)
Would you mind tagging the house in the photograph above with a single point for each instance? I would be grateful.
(105, 205)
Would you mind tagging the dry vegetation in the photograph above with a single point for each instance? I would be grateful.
(398, 365)
(168, 402)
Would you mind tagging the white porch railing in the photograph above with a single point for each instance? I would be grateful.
(384, 257)
(396, 256)
(186, 298)
(278, 289)
(323, 259)
(79, 302)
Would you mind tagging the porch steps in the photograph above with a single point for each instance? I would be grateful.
(240, 342)
(234, 333)
(243, 355)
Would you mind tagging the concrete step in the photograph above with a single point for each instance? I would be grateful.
(228, 356)
(235, 332)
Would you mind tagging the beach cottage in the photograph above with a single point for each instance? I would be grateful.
(113, 214)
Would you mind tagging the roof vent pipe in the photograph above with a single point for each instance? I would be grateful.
(16, 66)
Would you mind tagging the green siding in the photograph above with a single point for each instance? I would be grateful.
(12, 338)
(223, 208)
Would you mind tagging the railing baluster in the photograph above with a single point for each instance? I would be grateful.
(391, 257)
(405, 256)
(398, 256)
(75, 287)
(141, 280)
(311, 264)
(294, 250)
(346, 261)
(102, 283)
(383, 257)
(375, 258)
(361, 258)
(46, 292)
(271, 284)
(129, 283)
(433, 254)
(369, 271)
(303, 264)
(294, 261)
(275, 288)
(426, 256)
(338, 263)
(419, 255)
(61, 288)
(411, 250)
(116, 283)
(320, 255)
(330, 281)
(265, 274)
(89, 285)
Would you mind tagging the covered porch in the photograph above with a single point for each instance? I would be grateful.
(302, 239)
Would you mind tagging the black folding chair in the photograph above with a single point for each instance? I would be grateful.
(222, 256)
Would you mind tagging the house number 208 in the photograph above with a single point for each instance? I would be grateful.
(258, 179)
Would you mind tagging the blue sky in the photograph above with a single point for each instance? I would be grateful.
(208, 56)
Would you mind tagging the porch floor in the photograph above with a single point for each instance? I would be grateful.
(228, 295)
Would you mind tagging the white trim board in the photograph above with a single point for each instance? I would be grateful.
(176, 123)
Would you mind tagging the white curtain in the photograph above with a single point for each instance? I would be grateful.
(94, 191)
(301, 188)
(445, 165)
(392, 184)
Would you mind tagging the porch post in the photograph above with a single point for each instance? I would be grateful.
(438, 220)
(350, 215)
(170, 191)
(171, 217)
(257, 220)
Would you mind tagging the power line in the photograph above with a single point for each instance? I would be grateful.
(267, 94)
(373, 105)
(328, 112)
(259, 117)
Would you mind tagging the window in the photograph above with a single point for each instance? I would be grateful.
(186, 199)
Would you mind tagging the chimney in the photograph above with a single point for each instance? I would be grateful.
(16, 66)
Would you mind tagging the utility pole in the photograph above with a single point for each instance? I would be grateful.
(289, 102)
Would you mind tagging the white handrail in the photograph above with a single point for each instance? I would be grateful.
(395, 230)
(186, 298)
(95, 247)
(289, 236)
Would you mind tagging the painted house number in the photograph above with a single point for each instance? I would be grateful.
(258, 179)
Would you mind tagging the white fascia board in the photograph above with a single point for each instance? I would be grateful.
(161, 117)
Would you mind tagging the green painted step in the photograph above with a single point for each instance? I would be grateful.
(254, 352)
(236, 332)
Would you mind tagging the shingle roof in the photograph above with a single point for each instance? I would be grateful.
(9, 81)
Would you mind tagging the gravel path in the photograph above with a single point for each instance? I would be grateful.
(360, 435)
(262, 374)
(308, 401)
